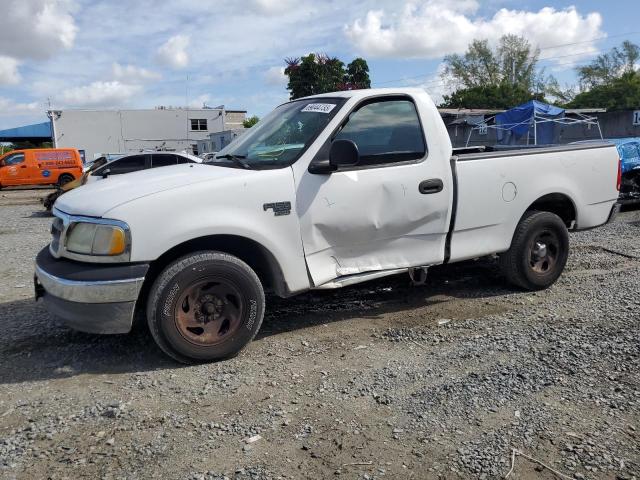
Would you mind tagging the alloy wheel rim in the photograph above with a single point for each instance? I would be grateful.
(544, 252)
(209, 311)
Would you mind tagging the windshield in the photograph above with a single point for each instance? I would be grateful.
(281, 137)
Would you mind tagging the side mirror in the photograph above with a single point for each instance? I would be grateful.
(106, 172)
(343, 153)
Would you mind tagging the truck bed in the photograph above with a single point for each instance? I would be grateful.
(516, 150)
(493, 189)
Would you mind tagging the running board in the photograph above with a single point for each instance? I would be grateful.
(357, 278)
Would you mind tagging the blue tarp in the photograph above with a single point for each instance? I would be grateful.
(515, 123)
(629, 151)
(38, 131)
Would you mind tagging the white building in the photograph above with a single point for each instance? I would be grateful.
(218, 140)
(98, 132)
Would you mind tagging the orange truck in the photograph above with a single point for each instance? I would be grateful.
(40, 166)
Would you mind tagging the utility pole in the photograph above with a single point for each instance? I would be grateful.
(52, 117)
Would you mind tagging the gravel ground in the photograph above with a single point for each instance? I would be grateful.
(381, 380)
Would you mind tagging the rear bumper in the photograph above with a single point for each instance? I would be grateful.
(94, 298)
(615, 210)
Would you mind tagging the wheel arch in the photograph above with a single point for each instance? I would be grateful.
(559, 203)
(65, 174)
(254, 254)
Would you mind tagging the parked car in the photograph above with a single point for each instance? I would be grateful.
(629, 150)
(141, 161)
(104, 157)
(49, 200)
(208, 156)
(40, 166)
(103, 167)
(324, 192)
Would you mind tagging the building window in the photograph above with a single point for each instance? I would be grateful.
(198, 124)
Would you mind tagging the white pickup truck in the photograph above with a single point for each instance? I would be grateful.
(324, 192)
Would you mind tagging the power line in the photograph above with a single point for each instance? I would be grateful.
(592, 40)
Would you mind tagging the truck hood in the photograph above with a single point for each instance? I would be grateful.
(97, 198)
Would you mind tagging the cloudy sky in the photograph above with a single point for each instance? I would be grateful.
(144, 53)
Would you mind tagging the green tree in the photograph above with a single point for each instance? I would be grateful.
(250, 122)
(621, 93)
(495, 78)
(318, 73)
(610, 66)
(502, 96)
(357, 74)
(6, 147)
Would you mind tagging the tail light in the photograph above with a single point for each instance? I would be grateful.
(619, 181)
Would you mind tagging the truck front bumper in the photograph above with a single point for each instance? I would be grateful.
(93, 298)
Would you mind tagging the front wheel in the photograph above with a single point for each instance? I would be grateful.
(64, 178)
(205, 306)
(538, 253)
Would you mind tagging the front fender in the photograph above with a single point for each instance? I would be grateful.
(161, 221)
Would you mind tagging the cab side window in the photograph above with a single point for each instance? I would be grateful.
(163, 160)
(386, 132)
(133, 163)
(14, 159)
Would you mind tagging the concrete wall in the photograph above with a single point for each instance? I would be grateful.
(234, 119)
(126, 131)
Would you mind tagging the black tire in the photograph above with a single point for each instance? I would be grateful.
(65, 178)
(538, 253)
(186, 297)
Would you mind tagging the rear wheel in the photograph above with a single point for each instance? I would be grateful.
(538, 253)
(65, 178)
(206, 306)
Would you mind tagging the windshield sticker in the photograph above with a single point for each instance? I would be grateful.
(319, 107)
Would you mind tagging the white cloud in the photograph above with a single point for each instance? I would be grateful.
(36, 28)
(10, 108)
(271, 7)
(100, 94)
(435, 87)
(173, 52)
(275, 76)
(433, 28)
(33, 29)
(9, 74)
(199, 101)
(133, 74)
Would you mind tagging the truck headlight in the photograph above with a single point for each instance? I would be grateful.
(96, 239)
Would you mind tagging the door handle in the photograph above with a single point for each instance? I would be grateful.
(433, 185)
(23, 166)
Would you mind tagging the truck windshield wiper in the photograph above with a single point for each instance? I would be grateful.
(239, 159)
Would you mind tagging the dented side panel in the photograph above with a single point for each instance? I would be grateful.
(374, 219)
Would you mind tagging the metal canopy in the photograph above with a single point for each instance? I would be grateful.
(535, 120)
(38, 132)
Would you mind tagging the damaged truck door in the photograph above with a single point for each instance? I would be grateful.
(386, 209)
